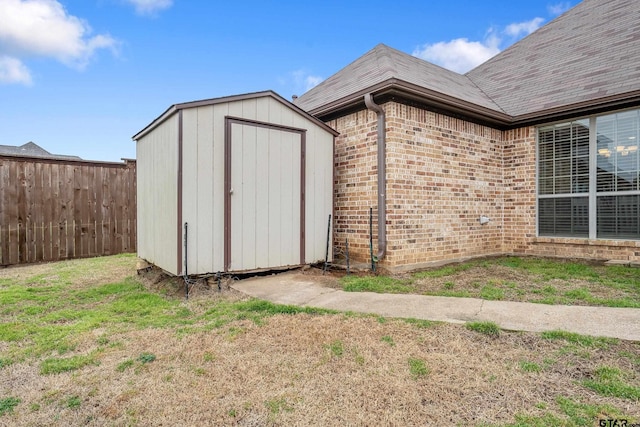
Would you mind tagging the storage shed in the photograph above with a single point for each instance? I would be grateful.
(246, 181)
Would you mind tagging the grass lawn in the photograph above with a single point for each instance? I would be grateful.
(89, 342)
(516, 279)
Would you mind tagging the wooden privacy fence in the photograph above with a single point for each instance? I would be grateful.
(53, 209)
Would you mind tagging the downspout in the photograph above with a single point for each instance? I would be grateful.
(382, 176)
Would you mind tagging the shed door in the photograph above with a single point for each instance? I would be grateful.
(265, 196)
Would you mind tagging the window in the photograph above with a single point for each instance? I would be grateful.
(589, 177)
(618, 183)
(563, 180)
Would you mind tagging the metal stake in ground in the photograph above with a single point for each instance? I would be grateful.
(347, 250)
(326, 253)
(186, 275)
(373, 263)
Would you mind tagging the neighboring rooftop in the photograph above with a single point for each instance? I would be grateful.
(31, 149)
(585, 60)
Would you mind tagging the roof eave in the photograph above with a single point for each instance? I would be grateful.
(206, 102)
(155, 123)
(578, 109)
(402, 89)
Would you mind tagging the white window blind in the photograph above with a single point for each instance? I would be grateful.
(589, 174)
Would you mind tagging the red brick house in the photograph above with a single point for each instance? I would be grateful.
(541, 140)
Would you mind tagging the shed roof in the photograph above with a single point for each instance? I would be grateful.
(583, 60)
(212, 101)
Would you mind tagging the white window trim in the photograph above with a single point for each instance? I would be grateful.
(593, 179)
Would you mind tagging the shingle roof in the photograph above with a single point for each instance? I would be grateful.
(587, 58)
(590, 52)
(31, 149)
(383, 63)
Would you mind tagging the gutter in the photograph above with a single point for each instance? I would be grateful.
(426, 98)
(382, 175)
(400, 89)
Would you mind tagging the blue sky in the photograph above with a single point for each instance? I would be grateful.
(81, 77)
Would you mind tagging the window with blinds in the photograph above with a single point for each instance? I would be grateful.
(589, 181)
(563, 180)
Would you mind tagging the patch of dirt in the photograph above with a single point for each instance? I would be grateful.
(205, 290)
(329, 278)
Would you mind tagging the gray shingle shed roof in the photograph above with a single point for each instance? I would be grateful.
(591, 52)
(584, 60)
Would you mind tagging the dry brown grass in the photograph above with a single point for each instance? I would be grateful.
(517, 285)
(77, 272)
(228, 377)
(593, 283)
(286, 371)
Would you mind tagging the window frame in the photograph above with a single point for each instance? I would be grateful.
(592, 192)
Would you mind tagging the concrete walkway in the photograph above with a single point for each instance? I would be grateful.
(302, 290)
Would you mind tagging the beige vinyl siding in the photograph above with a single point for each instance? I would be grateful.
(318, 189)
(273, 154)
(265, 217)
(265, 204)
(319, 194)
(157, 163)
(203, 186)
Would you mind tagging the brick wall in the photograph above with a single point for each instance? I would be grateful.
(520, 211)
(520, 189)
(622, 250)
(443, 173)
(355, 189)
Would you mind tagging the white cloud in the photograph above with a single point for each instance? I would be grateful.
(523, 28)
(558, 8)
(459, 55)
(312, 81)
(44, 28)
(304, 81)
(149, 7)
(13, 71)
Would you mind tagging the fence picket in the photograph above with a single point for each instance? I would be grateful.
(41, 220)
